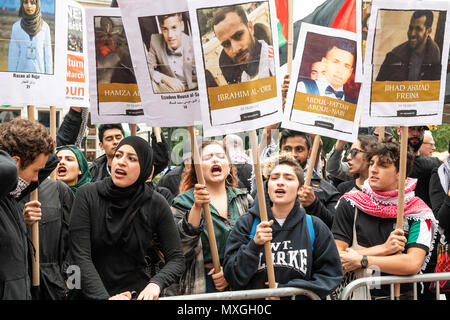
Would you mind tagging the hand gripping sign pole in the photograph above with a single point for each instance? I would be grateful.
(401, 190)
(262, 206)
(34, 226)
(206, 210)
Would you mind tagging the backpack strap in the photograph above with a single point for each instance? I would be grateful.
(312, 233)
(255, 224)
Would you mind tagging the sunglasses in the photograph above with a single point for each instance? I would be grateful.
(353, 152)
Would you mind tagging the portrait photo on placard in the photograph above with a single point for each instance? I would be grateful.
(27, 36)
(236, 43)
(169, 50)
(408, 45)
(328, 67)
(112, 55)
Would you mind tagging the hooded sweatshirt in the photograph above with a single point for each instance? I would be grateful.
(296, 263)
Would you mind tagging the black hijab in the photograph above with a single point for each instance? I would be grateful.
(122, 221)
(31, 24)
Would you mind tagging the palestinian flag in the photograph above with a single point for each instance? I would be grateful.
(282, 7)
(339, 14)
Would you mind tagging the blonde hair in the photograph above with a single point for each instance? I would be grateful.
(284, 158)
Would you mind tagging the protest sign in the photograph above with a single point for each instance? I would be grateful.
(113, 90)
(239, 87)
(31, 53)
(77, 89)
(160, 41)
(323, 99)
(405, 63)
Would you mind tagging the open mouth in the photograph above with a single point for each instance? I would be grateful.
(119, 173)
(280, 191)
(216, 170)
(62, 171)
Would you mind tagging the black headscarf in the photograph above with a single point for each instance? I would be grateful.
(31, 24)
(122, 222)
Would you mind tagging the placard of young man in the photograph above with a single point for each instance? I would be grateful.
(326, 105)
(160, 40)
(237, 79)
(405, 63)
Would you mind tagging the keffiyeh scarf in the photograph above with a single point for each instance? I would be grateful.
(384, 205)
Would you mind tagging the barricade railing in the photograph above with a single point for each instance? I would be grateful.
(391, 280)
(248, 294)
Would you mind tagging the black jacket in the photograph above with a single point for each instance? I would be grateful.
(107, 269)
(440, 203)
(56, 200)
(296, 263)
(69, 129)
(396, 65)
(327, 197)
(14, 278)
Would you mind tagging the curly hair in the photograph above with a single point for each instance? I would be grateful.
(389, 152)
(25, 139)
(189, 178)
(284, 158)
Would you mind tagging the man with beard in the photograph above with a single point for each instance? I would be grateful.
(419, 58)
(320, 198)
(243, 58)
(422, 170)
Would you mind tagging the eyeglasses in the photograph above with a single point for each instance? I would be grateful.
(353, 152)
(431, 144)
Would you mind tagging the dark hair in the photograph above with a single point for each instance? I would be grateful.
(428, 14)
(366, 140)
(286, 133)
(389, 152)
(189, 177)
(103, 127)
(284, 158)
(164, 17)
(25, 139)
(220, 14)
(344, 44)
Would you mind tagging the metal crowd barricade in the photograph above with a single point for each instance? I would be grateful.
(247, 294)
(391, 280)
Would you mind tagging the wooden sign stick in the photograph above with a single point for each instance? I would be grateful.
(133, 129)
(401, 190)
(157, 133)
(312, 160)
(262, 206)
(34, 226)
(206, 210)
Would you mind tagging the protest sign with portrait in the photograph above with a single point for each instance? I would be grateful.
(113, 90)
(236, 62)
(323, 99)
(29, 61)
(160, 41)
(405, 63)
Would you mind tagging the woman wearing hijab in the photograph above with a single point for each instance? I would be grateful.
(115, 225)
(226, 203)
(73, 168)
(30, 48)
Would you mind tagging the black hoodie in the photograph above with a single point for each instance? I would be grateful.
(296, 264)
